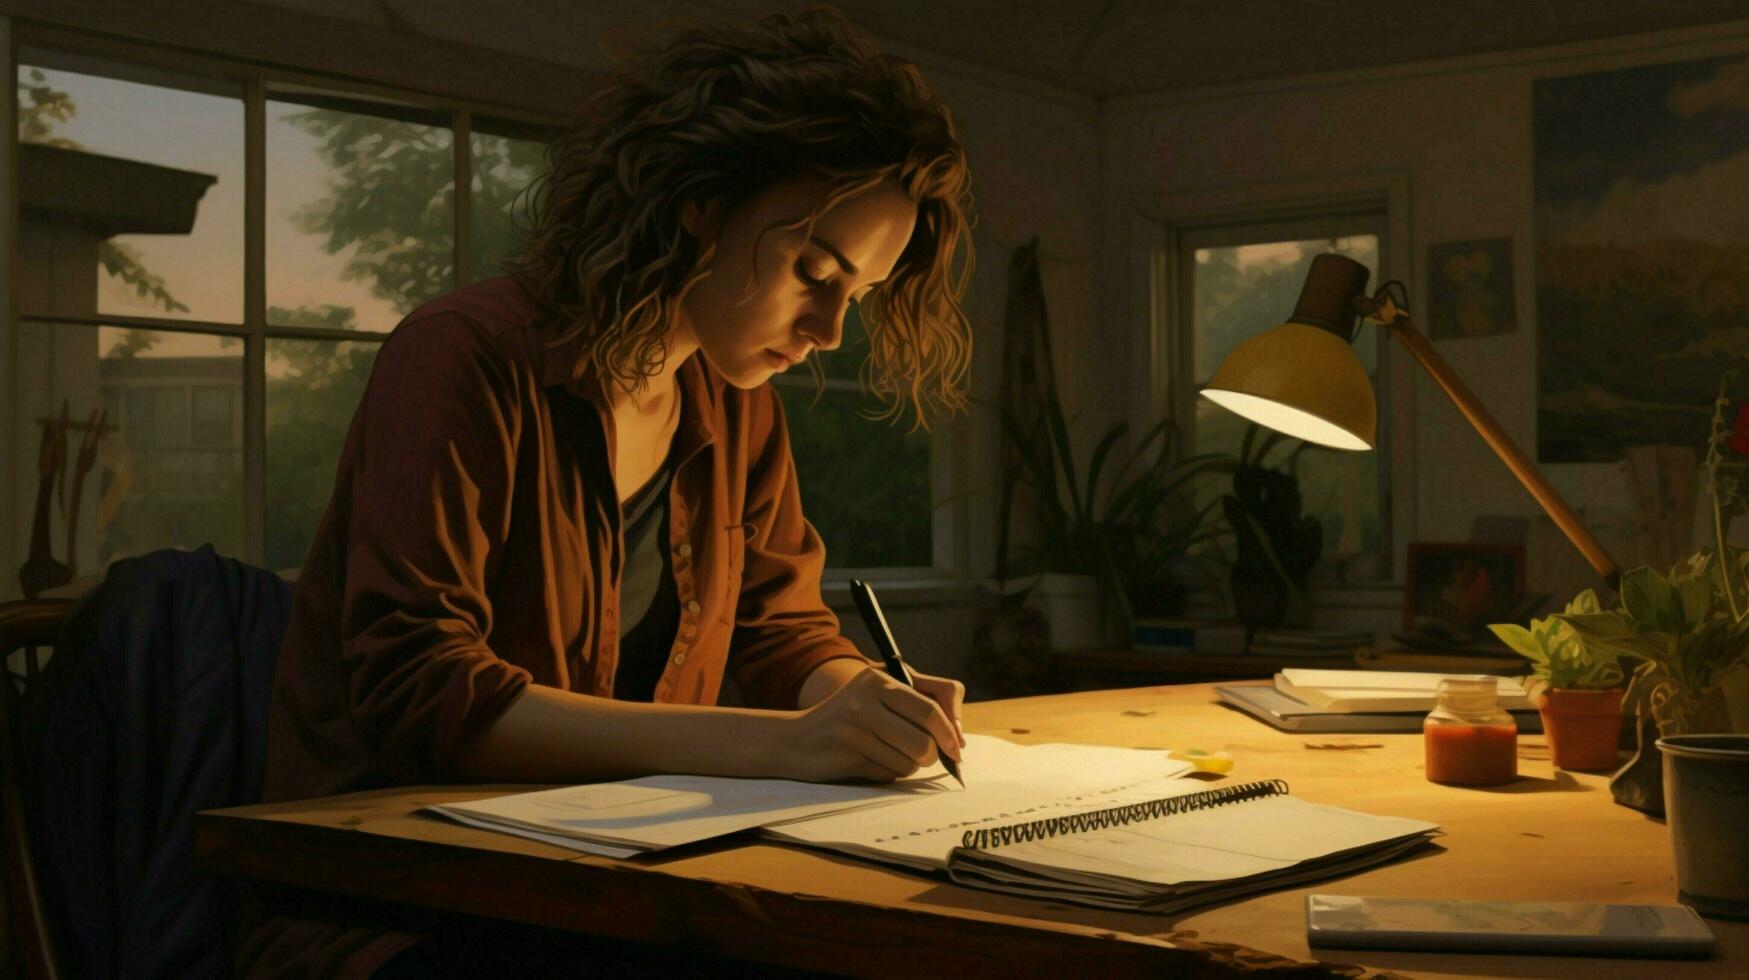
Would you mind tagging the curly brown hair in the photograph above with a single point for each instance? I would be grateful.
(726, 112)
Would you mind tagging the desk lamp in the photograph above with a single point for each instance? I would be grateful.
(1303, 378)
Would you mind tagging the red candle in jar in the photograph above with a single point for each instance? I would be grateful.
(1472, 755)
(1470, 739)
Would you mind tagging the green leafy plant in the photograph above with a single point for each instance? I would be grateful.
(1558, 657)
(1136, 531)
(1689, 628)
(1679, 630)
(1727, 470)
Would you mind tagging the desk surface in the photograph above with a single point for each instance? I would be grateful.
(1551, 836)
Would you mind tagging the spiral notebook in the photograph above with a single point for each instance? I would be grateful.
(1182, 850)
(1081, 823)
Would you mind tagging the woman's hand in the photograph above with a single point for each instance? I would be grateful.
(948, 693)
(872, 727)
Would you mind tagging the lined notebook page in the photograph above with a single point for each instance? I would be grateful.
(1005, 783)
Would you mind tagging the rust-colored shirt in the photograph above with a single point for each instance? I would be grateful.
(472, 546)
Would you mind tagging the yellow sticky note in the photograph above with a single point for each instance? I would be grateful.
(1205, 761)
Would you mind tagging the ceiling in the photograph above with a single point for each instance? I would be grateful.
(1121, 47)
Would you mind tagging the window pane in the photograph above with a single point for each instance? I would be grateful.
(147, 484)
(1240, 291)
(130, 196)
(503, 169)
(212, 415)
(865, 484)
(313, 387)
(360, 213)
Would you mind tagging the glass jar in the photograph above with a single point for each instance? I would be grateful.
(1471, 740)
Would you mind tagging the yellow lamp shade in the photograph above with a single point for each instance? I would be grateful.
(1302, 380)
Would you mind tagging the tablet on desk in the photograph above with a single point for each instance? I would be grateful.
(1571, 928)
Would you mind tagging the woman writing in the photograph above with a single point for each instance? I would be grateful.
(566, 507)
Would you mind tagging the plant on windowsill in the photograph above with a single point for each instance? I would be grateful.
(1276, 545)
(1135, 535)
(1577, 687)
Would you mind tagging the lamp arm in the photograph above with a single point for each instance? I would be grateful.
(1401, 327)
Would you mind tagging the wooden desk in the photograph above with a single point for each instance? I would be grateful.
(1552, 836)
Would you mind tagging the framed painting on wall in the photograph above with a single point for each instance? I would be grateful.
(1642, 234)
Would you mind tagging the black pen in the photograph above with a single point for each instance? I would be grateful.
(876, 621)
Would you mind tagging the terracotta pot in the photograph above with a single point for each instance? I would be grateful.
(1584, 727)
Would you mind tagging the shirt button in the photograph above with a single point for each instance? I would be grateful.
(692, 606)
(685, 550)
(679, 659)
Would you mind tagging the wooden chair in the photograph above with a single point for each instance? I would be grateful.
(28, 629)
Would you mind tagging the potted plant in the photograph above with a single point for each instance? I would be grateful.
(1276, 545)
(1578, 688)
(1688, 630)
(1096, 538)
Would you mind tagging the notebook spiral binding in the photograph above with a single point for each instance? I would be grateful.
(1118, 816)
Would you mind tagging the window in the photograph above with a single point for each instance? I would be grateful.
(1240, 280)
(134, 279)
(865, 484)
(224, 347)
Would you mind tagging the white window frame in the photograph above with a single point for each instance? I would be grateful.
(946, 518)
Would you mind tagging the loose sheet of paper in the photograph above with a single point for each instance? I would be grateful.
(666, 811)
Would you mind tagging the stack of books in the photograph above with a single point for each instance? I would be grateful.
(1359, 700)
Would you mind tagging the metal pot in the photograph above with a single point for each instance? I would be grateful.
(1706, 799)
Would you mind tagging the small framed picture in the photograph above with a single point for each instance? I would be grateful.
(1462, 586)
(1469, 289)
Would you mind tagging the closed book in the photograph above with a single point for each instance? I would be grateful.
(1273, 708)
(1340, 691)
(1165, 635)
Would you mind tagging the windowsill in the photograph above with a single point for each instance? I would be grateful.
(919, 593)
(1328, 595)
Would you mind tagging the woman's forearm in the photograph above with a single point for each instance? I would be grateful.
(829, 677)
(555, 736)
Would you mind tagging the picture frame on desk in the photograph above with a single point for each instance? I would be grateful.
(1461, 586)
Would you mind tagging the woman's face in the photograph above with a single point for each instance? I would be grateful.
(772, 293)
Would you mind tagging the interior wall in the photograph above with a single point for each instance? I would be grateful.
(1461, 130)
(1033, 153)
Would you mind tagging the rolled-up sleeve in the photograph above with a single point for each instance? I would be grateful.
(429, 510)
(783, 630)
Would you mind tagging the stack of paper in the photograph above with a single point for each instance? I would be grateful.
(1355, 691)
(642, 815)
(1359, 700)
